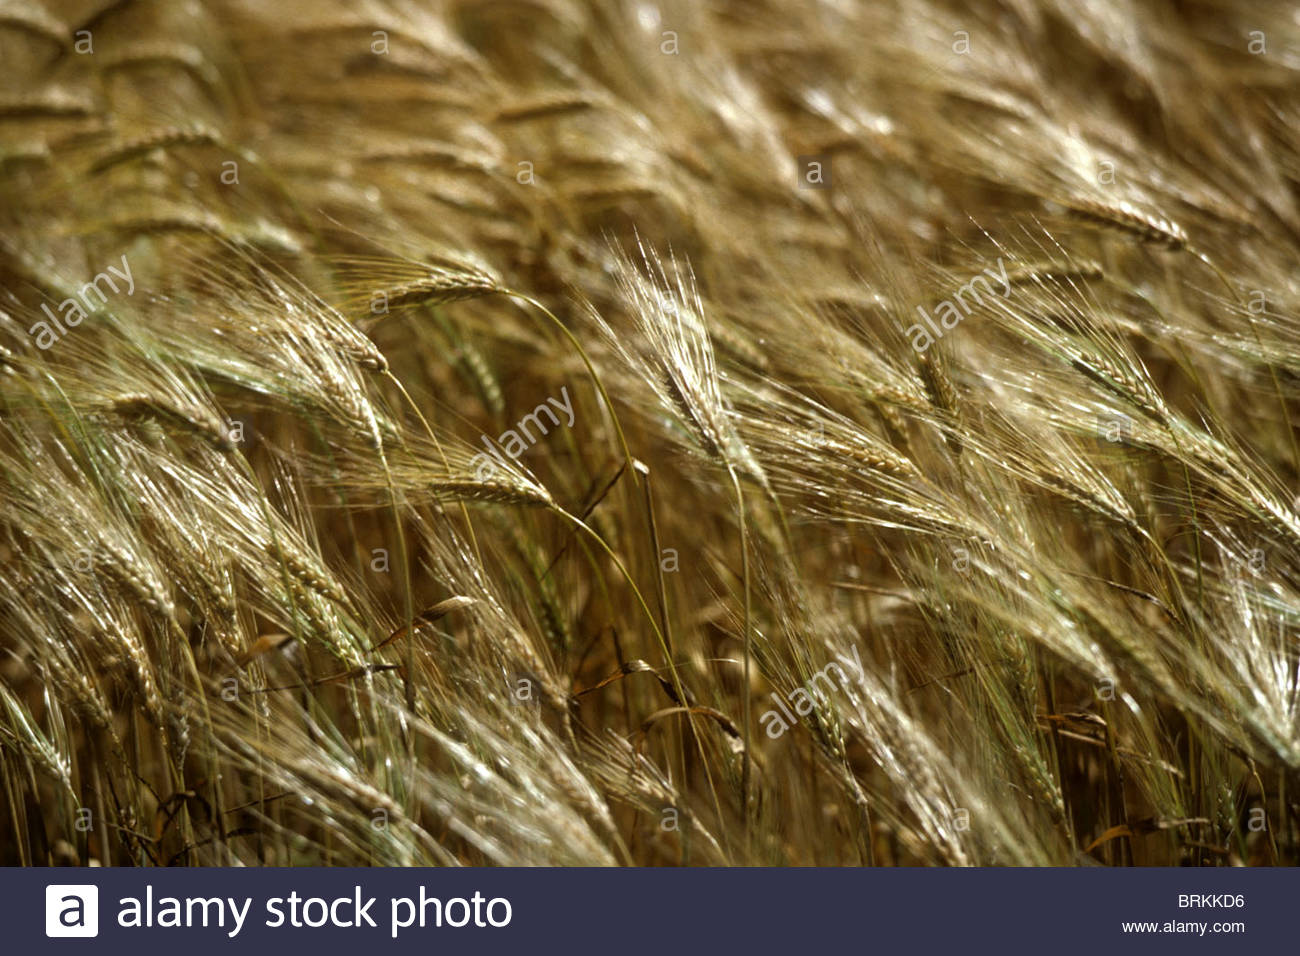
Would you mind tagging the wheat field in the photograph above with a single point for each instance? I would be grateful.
(649, 432)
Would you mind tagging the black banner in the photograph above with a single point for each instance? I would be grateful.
(651, 912)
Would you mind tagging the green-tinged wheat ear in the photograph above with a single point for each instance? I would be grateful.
(434, 153)
(190, 420)
(440, 287)
(23, 731)
(136, 579)
(199, 222)
(474, 365)
(1062, 485)
(305, 570)
(551, 105)
(55, 104)
(355, 408)
(356, 346)
(1121, 382)
(497, 491)
(897, 397)
(85, 695)
(149, 53)
(895, 425)
(164, 222)
(166, 138)
(141, 669)
(30, 153)
(1125, 217)
(483, 376)
(215, 590)
(943, 396)
(702, 426)
(879, 457)
(1055, 272)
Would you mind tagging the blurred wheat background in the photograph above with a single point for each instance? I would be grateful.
(926, 491)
